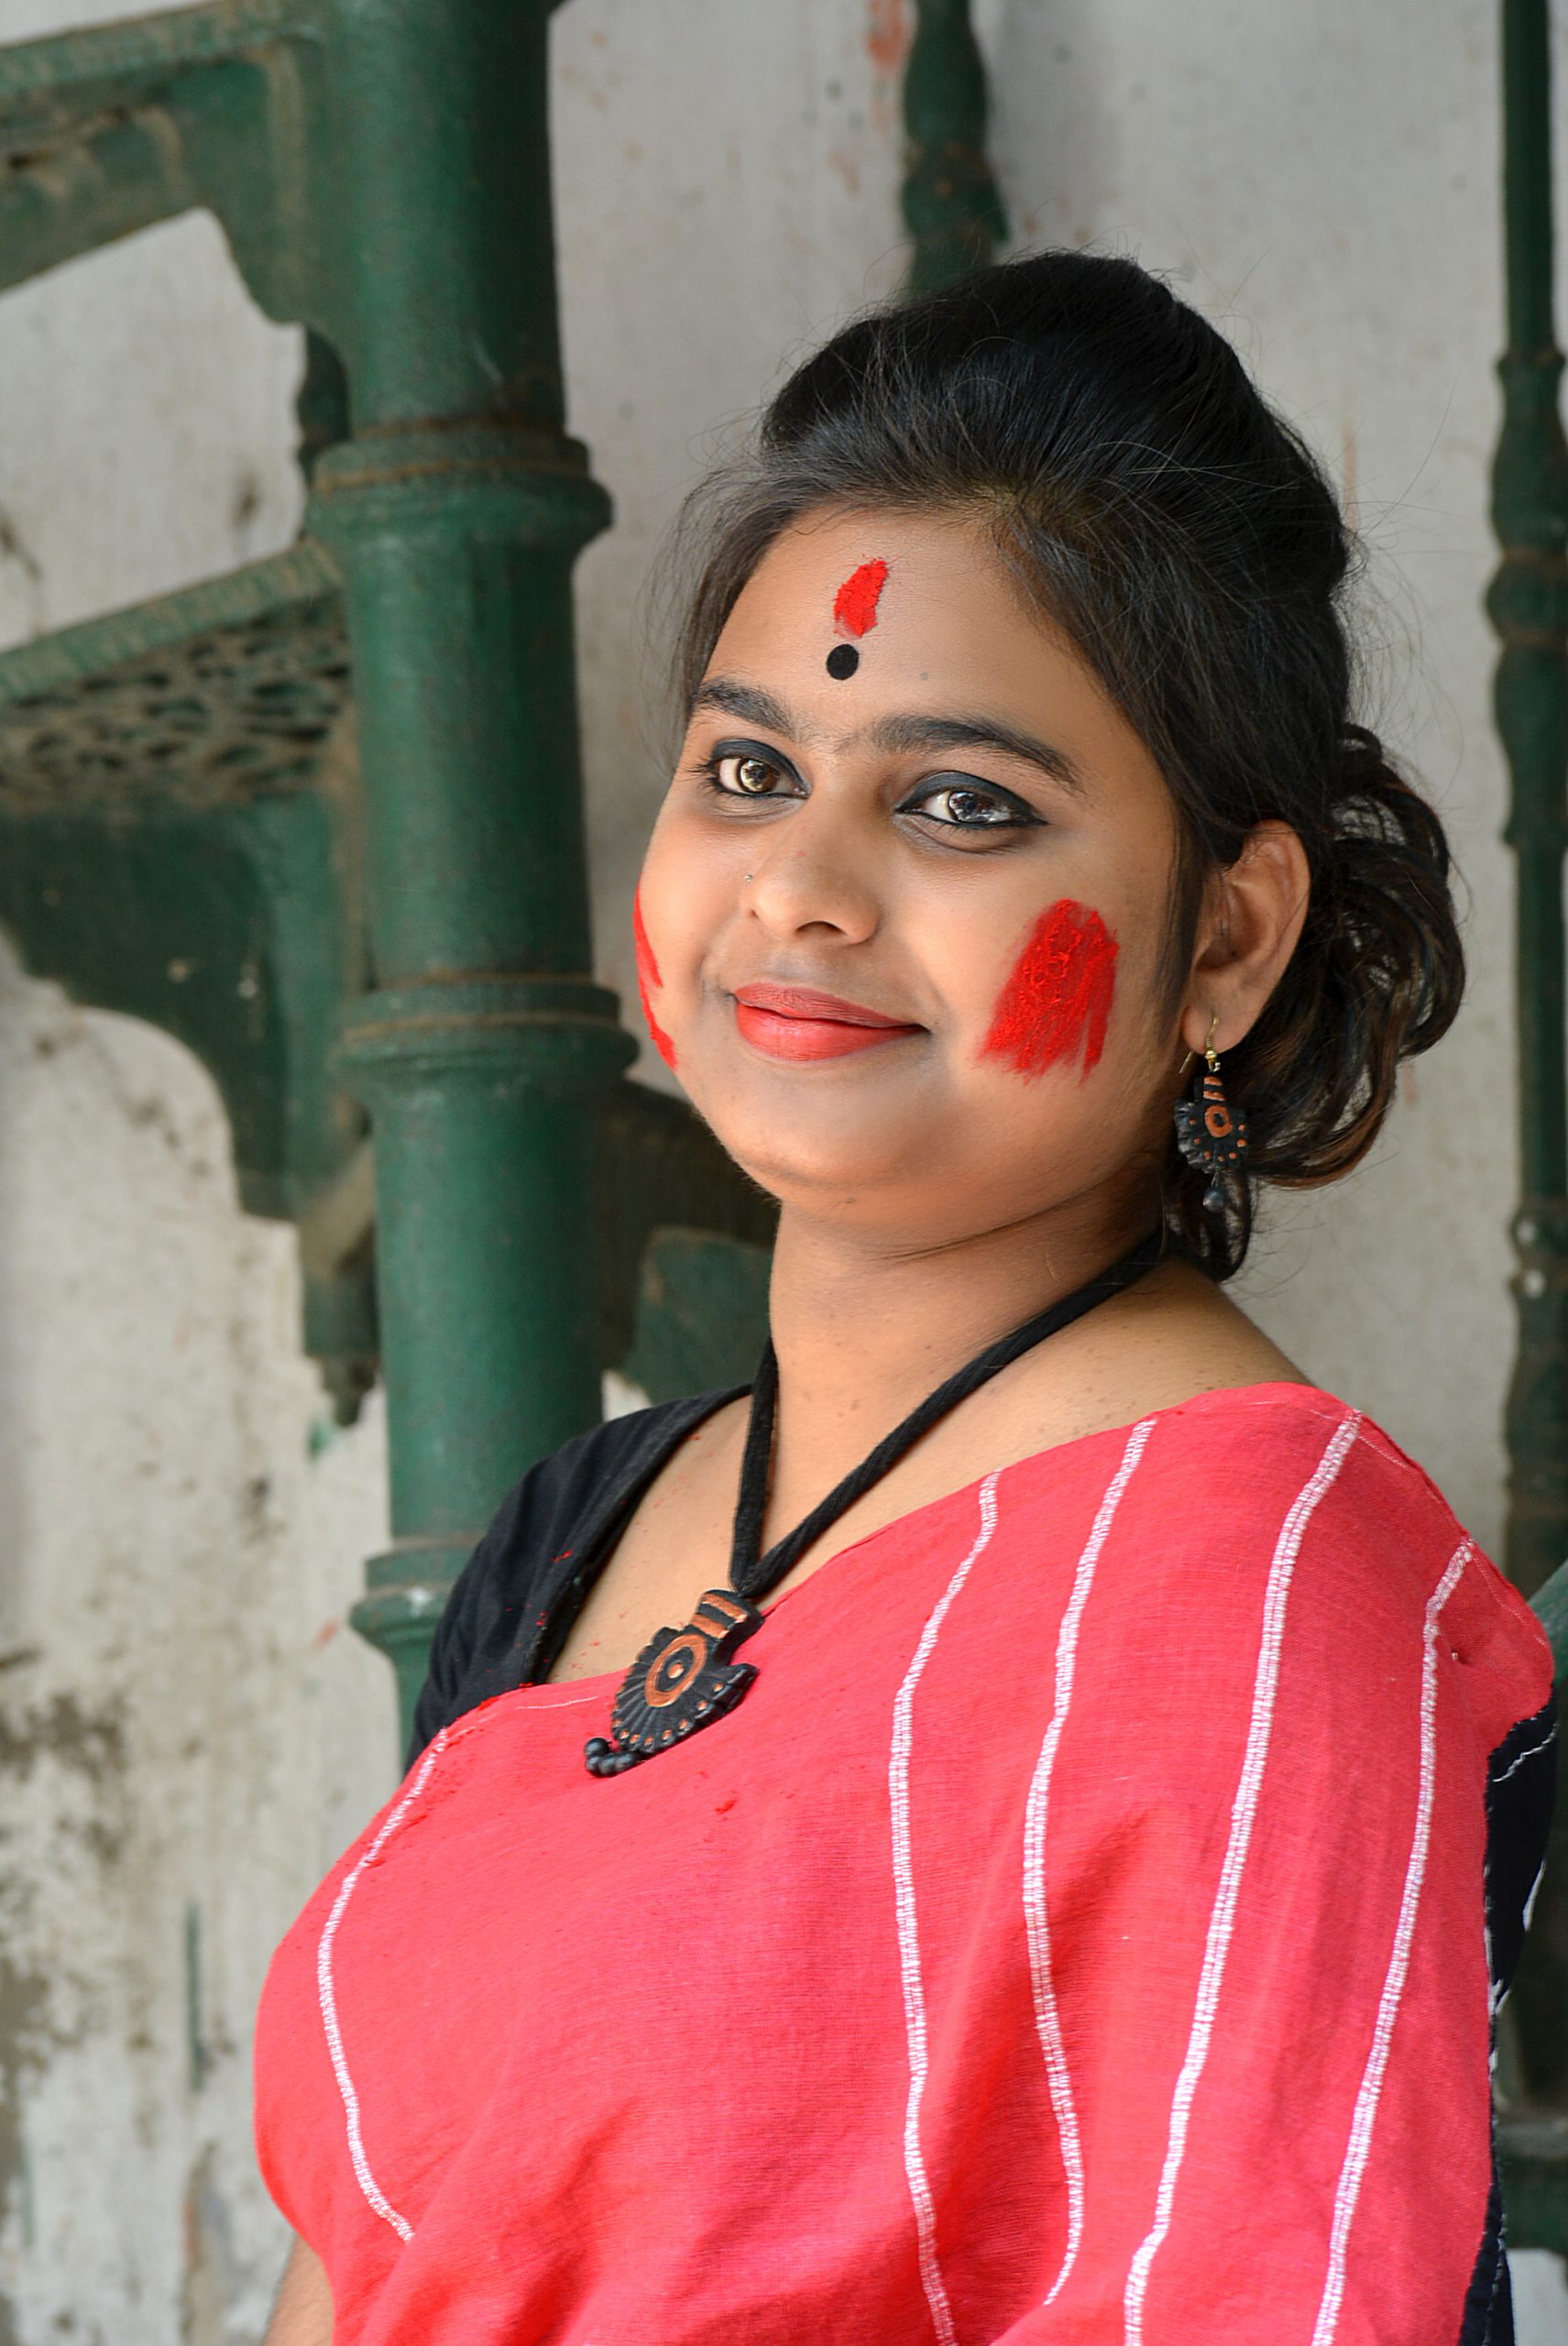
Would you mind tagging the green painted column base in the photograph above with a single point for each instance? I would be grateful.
(484, 1094)
(406, 1591)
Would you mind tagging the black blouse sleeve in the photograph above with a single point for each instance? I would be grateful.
(482, 1603)
(534, 1566)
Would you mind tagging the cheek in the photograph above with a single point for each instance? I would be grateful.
(1056, 1004)
(648, 978)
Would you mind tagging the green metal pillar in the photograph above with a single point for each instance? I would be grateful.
(455, 509)
(951, 207)
(1529, 605)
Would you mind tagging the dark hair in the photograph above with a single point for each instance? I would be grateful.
(1187, 544)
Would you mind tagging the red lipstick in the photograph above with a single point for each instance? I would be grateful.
(799, 1022)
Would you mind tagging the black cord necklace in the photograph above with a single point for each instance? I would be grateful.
(684, 1679)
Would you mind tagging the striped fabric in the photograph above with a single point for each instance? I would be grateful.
(1087, 1932)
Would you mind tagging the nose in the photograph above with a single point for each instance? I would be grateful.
(816, 881)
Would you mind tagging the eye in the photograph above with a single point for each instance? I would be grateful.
(969, 807)
(746, 772)
(755, 776)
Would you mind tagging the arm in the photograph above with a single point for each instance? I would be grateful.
(302, 2315)
(1264, 1853)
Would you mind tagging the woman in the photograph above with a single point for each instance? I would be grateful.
(1071, 1907)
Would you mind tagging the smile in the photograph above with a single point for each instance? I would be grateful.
(798, 1022)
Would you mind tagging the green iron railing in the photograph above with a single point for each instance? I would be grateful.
(1529, 605)
(951, 206)
(338, 795)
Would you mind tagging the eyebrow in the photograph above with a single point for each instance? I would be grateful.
(917, 731)
(749, 702)
(897, 734)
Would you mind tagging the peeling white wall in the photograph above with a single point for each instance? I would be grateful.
(185, 1725)
(188, 1733)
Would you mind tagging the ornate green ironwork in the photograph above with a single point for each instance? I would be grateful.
(1529, 605)
(455, 510)
(107, 130)
(381, 171)
(177, 789)
(951, 205)
(229, 714)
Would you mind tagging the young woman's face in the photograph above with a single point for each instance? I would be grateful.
(900, 924)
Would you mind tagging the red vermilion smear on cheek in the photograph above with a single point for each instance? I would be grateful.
(854, 606)
(1057, 1001)
(647, 977)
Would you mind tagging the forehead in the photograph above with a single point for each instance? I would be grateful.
(896, 581)
(950, 631)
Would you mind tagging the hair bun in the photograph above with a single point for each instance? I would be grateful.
(1377, 976)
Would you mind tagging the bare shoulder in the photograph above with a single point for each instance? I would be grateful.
(1188, 1331)
(1172, 1337)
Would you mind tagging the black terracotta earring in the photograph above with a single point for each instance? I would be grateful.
(1210, 1132)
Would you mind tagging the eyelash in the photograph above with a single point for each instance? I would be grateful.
(1018, 818)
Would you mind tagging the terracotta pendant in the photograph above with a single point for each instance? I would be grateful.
(682, 1680)
(1212, 1133)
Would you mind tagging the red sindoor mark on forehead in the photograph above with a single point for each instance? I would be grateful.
(1056, 1001)
(647, 979)
(854, 606)
(854, 613)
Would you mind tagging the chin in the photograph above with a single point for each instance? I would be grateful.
(865, 1171)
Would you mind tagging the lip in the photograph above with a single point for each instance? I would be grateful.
(800, 1023)
(806, 1001)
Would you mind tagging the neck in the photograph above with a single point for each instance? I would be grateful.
(863, 1330)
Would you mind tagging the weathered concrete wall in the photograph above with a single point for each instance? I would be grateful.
(187, 1733)
(186, 1729)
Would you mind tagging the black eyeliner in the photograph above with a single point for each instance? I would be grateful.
(1022, 814)
(781, 764)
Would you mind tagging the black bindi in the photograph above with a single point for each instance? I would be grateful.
(843, 661)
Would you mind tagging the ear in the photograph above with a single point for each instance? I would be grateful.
(1252, 916)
